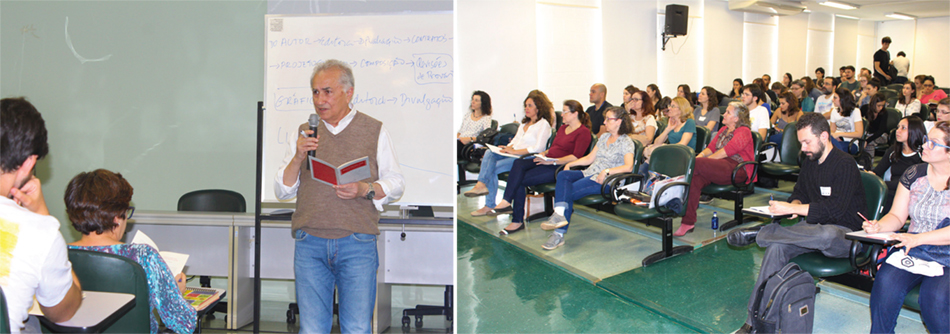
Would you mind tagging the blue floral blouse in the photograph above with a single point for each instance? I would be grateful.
(177, 314)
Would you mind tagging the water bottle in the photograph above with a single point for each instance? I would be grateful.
(715, 221)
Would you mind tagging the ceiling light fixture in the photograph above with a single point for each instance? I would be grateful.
(899, 16)
(839, 5)
(847, 17)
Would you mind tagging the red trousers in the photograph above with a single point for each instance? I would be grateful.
(706, 171)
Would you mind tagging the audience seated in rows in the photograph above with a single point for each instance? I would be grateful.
(922, 196)
(908, 103)
(33, 259)
(788, 113)
(877, 131)
(570, 143)
(732, 145)
(707, 113)
(643, 118)
(828, 193)
(97, 203)
(613, 154)
(532, 137)
(905, 152)
(477, 120)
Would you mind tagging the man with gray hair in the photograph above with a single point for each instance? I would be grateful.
(335, 226)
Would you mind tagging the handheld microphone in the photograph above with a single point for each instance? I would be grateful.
(314, 121)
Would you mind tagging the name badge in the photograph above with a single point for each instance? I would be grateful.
(702, 118)
(825, 191)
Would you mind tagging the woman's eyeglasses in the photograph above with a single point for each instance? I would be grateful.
(930, 144)
(128, 214)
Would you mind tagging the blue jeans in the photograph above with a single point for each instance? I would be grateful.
(776, 138)
(571, 185)
(524, 173)
(891, 286)
(843, 145)
(492, 165)
(350, 264)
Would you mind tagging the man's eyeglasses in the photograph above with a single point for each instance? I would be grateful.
(128, 214)
(930, 144)
(611, 119)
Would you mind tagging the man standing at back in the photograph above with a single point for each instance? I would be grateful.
(33, 260)
(828, 192)
(902, 64)
(882, 62)
(335, 227)
(598, 96)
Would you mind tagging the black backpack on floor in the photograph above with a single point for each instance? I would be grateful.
(785, 303)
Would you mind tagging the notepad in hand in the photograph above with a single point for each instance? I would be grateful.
(201, 298)
(542, 157)
(346, 173)
(175, 261)
(886, 236)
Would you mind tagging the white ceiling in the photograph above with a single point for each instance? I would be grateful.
(875, 9)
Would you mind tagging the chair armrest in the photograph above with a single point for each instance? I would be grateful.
(870, 254)
(749, 178)
(861, 142)
(611, 183)
(558, 171)
(659, 194)
(768, 145)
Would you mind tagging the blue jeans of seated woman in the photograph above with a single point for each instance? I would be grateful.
(350, 264)
(572, 185)
(492, 165)
(843, 145)
(524, 173)
(776, 138)
(891, 286)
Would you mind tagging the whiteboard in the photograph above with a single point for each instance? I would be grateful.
(403, 71)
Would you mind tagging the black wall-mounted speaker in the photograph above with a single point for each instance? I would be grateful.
(676, 20)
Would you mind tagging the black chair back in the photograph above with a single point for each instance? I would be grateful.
(790, 148)
(214, 200)
(4, 314)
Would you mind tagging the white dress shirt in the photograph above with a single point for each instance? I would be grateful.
(390, 175)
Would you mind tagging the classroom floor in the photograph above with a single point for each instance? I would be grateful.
(595, 283)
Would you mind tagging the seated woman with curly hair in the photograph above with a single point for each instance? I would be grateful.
(97, 203)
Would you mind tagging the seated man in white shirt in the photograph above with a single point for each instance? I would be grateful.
(825, 102)
(33, 259)
(753, 98)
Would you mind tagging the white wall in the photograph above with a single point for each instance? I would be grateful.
(508, 48)
(497, 53)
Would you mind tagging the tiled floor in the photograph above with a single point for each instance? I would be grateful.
(509, 284)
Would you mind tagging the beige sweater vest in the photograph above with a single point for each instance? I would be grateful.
(319, 211)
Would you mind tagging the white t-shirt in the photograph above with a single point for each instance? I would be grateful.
(846, 124)
(33, 261)
(824, 103)
(759, 117)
